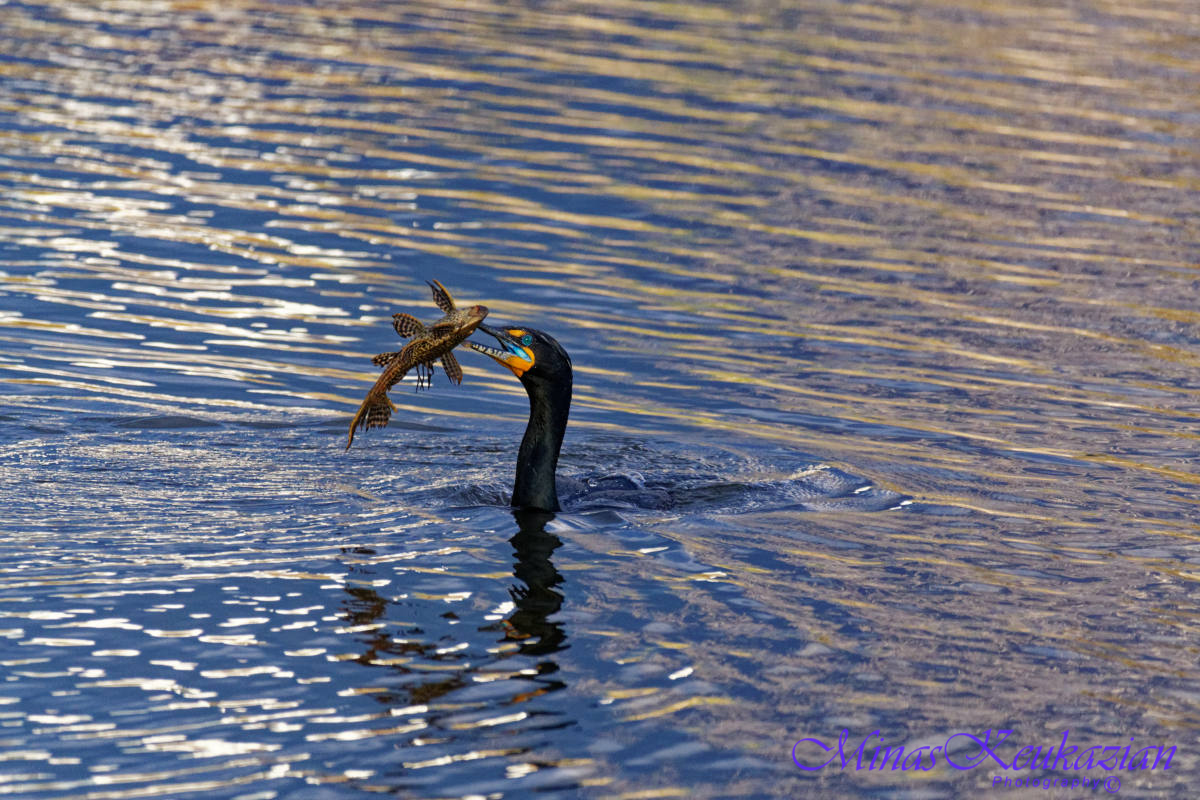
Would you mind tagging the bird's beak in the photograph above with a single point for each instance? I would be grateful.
(511, 353)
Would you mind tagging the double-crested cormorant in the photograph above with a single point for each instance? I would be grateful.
(544, 369)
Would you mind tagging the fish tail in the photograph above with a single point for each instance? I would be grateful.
(374, 412)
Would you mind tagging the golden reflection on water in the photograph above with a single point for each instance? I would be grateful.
(940, 245)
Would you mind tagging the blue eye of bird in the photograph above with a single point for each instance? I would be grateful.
(527, 340)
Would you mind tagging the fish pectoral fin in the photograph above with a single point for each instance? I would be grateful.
(453, 370)
(406, 325)
(442, 297)
(382, 359)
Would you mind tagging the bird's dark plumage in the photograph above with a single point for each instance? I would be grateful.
(544, 369)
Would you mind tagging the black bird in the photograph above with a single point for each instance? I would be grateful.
(544, 369)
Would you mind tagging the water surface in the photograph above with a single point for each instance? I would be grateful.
(884, 326)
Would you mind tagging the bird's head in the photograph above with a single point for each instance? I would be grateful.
(534, 357)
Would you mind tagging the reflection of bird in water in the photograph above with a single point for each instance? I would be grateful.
(539, 598)
(425, 669)
(544, 369)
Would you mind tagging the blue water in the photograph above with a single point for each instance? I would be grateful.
(883, 323)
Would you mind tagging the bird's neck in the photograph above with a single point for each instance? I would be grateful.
(537, 459)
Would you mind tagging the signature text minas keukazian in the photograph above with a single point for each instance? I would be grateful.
(966, 751)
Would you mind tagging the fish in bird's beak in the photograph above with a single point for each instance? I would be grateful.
(515, 351)
(474, 316)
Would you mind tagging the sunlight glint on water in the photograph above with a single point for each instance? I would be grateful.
(883, 320)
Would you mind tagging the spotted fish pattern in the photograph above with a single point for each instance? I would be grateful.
(428, 344)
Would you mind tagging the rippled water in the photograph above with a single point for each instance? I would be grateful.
(884, 326)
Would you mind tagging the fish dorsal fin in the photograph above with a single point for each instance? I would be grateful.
(440, 296)
(453, 370)
(407, 325)
(438, 331)
(382, 359)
